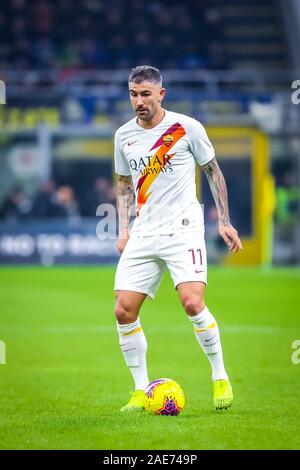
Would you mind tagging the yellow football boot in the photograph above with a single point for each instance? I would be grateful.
(136, 403)
(223, 395)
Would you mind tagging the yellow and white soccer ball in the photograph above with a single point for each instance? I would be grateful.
(164, 397)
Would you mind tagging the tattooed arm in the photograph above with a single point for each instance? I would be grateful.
(125, 201)
(219, 191)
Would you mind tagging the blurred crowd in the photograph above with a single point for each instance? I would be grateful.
(110, 34)
(56, 201)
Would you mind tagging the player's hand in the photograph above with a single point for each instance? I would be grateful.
(123, 239)
(230, 237)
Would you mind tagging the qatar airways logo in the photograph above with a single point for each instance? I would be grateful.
(152, 165)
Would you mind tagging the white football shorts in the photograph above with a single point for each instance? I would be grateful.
(145, 259)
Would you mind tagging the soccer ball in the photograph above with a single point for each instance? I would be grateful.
(164, 397)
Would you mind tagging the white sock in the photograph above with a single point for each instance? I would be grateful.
(207, 334)
(134, 347)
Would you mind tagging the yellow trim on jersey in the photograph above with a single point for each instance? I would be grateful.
(139, 328)
(200, 330)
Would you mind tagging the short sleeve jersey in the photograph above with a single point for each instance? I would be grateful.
(162, 162)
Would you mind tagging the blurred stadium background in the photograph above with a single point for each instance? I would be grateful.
(230, 64)
(235, 66)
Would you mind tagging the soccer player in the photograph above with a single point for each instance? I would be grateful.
(156, 153)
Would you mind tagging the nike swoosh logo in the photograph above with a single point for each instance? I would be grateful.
(131, 143)
(207, 340)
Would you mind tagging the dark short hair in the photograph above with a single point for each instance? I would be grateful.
(145, 73)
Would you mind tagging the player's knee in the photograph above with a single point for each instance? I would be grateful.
(193, 305)
(123, 314)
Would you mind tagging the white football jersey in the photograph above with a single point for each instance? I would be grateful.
(162, 163)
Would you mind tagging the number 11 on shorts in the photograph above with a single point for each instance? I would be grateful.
(194, 257)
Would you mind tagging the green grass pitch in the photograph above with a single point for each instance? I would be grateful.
(65, 378)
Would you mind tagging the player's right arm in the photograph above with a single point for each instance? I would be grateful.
(124, 191)
(125, 201)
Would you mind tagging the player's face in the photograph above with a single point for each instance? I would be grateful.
(146, 98)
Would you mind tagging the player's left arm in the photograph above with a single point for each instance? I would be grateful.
(219, 191)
